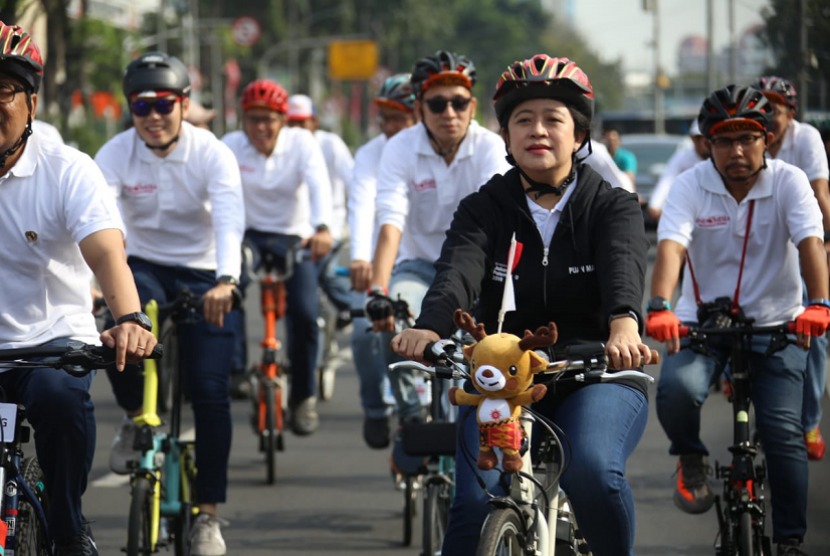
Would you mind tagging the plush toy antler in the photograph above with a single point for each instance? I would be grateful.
(543, 337)
(464, 321)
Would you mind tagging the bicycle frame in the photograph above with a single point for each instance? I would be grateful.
(272, 293)
(162, 453)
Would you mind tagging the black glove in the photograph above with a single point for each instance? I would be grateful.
(378, 305)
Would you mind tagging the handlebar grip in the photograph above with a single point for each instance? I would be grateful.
(655, 357)
(683, 332)
(357, 313)
(428, 355)
(158, 352)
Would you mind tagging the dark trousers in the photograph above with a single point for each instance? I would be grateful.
(60, 410)
(205, 358)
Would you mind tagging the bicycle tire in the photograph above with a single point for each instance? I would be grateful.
(408, 509)
(326, 378)
(747, 534)
(502, 529)
(436, 517)
(181, 529)
(139, 542)
(270, 433)
(31, 535)
(169, 361)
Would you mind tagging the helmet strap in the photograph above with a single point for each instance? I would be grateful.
(744, 180)
(541, 188)
(439, 148)
(23, 138)
(167, 145)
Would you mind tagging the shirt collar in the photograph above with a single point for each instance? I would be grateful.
(465, 150)
(788, 143)
(713, 182)
(178, 154)
(26, 164)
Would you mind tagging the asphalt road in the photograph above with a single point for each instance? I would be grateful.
(334, 496)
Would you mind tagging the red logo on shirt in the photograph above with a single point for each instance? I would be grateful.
(140, 189)
(247, 169)
(713, 222)
(425, 185)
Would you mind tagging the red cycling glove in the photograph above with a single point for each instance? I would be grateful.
(814, 321)
(662, 325)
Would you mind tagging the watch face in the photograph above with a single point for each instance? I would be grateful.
(657, 304)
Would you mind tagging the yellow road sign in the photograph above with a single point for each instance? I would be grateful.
(353, 60)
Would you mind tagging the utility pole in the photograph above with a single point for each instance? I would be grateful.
(733, 46)
(803, 59)
(711, 63)
(161, 27)
(659, 113)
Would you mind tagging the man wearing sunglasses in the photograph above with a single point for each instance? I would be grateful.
(424, 173)
(181, 198)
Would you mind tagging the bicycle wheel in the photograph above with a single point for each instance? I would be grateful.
(408, 509)
(139, 535)
(328, 351)
(436, 517)
(269, 435)
(501, 534)
(746, 534)
(31, 535)
(182, 524)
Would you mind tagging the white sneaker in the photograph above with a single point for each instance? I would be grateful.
(206, 536)
(122, 447)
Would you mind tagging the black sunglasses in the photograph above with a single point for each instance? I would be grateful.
(437, 105)
(142, 108)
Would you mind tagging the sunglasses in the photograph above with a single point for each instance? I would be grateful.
(142, 108)
(438, 104)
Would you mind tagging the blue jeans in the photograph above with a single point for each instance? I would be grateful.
(777, 391)
(371, 359)
(205, 358)
(302, 309)
(814, 381)
(604, 423)
(61, 412)
(410, 280)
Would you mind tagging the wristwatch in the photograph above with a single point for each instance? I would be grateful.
(139, 318)
(658, 304)
(826, 236)
(616, 316)
(227, 279)
(819, 301)
(321, 228)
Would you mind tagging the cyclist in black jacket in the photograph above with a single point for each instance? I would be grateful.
(582, 265)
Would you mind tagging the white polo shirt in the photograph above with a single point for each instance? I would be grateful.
(679, 162)
(50, 200)
(361, 199)
(46, 130)
(287, 192)
(185, 209)
(418, 192)
(701, 215)
(601, 161)
(339, 163)
(803, 147)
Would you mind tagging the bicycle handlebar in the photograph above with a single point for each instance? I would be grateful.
(69, 358)
(695, 331)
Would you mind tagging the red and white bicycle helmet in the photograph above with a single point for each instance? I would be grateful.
(264, 93)
(778, 89)
(20, 56)
(543, 77)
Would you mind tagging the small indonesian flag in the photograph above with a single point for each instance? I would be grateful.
(508, 300)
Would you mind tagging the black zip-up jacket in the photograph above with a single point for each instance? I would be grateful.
(595, 266)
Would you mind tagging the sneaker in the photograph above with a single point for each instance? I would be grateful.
(790, 547)
(206, 536)
(693, 494)
(376, 432)
(815, 444)
(79, 545)
(304, 418)
(122, 452)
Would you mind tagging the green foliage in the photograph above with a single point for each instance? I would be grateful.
(96, 55)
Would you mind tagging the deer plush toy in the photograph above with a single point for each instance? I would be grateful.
(502, 368)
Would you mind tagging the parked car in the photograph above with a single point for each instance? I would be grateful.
(652, 152)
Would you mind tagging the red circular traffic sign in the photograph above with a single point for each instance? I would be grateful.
(246, 30)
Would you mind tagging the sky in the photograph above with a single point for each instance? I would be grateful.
(620, 28)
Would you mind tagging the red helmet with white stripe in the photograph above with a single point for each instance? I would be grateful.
(20, 56)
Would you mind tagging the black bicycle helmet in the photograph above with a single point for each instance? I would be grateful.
(778, 89)
(397, 91)
(443, 68)
(735, 108)
(156, 71)
(543, 77)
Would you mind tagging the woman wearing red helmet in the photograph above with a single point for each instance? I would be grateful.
(582, 266)
(287, 200)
